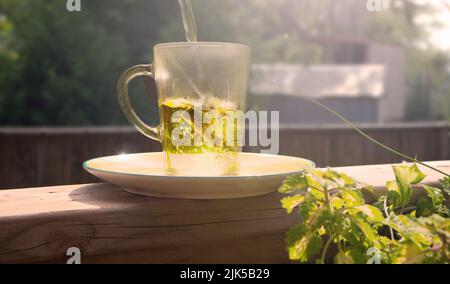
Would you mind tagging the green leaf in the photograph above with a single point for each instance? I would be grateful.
(294, 234)
(294, 183)
(339, 178)
(368, 192)
(315, 186)
(321, 231)
(302, 244)
(343, 258)
(373, 214)
(307, 209)
(445, 183)
(291, 202)
(433, 203)
(394, 195)
(314, 247)
(324, 217)
(370, 234)
(435, 194)
(407, 175)
(408, 253)
(358, 253)
(411, 230)
(424, 207)
(337, 203)
(317, 194)
(351, 197)
(437, 223)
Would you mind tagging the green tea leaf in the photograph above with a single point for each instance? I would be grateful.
(291, 202)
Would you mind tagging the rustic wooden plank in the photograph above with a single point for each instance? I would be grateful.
(102, 219)
(110, 225)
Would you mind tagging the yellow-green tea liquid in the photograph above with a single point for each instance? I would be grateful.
(202, 155)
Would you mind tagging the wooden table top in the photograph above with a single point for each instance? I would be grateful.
(112, 226)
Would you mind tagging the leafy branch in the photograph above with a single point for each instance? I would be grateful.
(333, 213)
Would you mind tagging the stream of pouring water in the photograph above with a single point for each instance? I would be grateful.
(190, 31)
(190, 28)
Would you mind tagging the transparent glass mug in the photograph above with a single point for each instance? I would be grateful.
(199, 86)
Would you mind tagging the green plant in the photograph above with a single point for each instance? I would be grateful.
(338, 221)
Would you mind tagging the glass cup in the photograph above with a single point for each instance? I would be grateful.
(202, 88)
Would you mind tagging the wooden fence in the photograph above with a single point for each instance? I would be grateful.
(53, 156)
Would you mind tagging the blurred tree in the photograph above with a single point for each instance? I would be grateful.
(7, 59)
(277, 30)
(397, 23)
(428, 82)
(427, 72)
(61, 68)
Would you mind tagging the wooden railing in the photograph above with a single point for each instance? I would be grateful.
(53, 156)
(108, 225)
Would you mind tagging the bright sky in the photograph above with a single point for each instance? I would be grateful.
(440, 37)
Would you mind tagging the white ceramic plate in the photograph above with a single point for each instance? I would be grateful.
(143, 174)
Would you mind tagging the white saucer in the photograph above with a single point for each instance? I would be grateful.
(143, 174)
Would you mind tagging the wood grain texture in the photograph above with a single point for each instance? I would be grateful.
(112, 226)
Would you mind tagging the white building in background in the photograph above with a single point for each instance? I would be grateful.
(372, 91)
(362, 79)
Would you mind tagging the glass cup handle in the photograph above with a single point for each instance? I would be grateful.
(124, 100)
